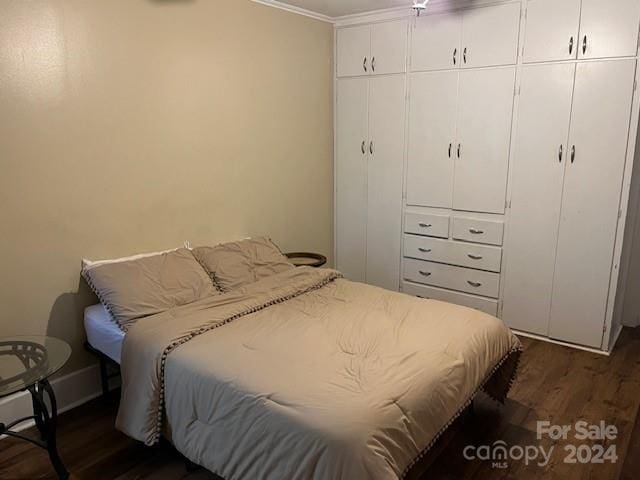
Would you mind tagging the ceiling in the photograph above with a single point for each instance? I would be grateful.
(337, 8)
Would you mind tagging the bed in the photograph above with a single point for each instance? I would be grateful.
(301, 374)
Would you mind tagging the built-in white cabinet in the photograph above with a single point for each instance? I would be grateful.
(478, 37)
(573, 126)
(582, 29)
(372, 49)
(511, 130)
(452, 161)
(370, 120)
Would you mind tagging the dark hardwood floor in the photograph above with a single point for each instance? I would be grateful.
(555, 383)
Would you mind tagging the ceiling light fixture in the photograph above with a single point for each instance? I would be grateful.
(419, 6)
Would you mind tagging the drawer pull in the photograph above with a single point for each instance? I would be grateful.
(424, 250)
(424, 274)
(474, 257)
(425, 225)
(474, 284)
(475, 231)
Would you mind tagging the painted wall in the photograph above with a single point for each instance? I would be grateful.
(130, 126)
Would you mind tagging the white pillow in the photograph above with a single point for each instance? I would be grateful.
(88, 264)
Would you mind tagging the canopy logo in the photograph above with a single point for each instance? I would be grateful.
(499, 453)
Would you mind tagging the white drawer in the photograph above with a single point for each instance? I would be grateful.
(486, 305)
(478, 230)
(471, 255)
(427, 224)
(456, 278)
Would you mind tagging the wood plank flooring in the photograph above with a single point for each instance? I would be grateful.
(555, 383)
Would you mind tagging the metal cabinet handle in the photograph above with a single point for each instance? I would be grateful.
(573, 153)
(476, 231)
(459, 147)
(455, 55)
(425, 225)
(371, 147)
(450, 145)
(474, 257)
(364, 64)
(474, 284)
(363, 147)
(560, 154)
(571, 45)
(424, 274)
(373, 64)
(424, 250)
(464, 55)
(584, 45)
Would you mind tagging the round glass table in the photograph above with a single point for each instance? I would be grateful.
(26, 363)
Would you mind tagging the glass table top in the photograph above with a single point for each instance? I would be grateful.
(26, 360)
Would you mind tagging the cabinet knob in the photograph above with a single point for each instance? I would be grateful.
(474, 284)
(475, 231)
(560, 154)
(424, 250)
(455, 55)
(474, 257)
(364, 64)
(571, 45)
(464, 55)
(373, 64)
(584, 45)
(363, 147)
(573, 153)
(450, 146)
(371, 147)
(424, 274)
(425, 225)
(459, 148)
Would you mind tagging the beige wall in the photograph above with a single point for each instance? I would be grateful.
(130, 126)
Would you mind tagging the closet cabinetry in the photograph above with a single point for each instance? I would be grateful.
(516, 196)
(452, 161)
(580, 29)
(568, 173)
(370, 119)
(478, 37)
(372, 49)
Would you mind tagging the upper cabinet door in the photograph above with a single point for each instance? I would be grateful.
(354, 51)
(432, 134)
(436, 42)
(352, 142)
(490, 36)
(551, 31)
(386, 160)
(538, 168)
(591, 199)
(485, 107)
(609, 28)
(389, 47)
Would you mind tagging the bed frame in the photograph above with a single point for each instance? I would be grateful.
(108, 368)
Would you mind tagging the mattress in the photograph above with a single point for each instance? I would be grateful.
(103, 333)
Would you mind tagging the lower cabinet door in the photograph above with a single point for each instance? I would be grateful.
(384, 198)
(485, 107)
(351, 177)
(538, 168)
(591, 199)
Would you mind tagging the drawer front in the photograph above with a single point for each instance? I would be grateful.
(427, 224)
(486, 305)
(478, 230)
(470, 255)
(456, 278)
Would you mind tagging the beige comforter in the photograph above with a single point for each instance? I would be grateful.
(305, 375)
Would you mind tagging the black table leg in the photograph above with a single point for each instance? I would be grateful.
(46, 422)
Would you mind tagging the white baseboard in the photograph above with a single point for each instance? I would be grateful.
(71, 390)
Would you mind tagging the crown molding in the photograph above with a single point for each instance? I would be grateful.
(297, 10)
